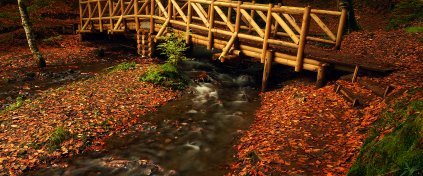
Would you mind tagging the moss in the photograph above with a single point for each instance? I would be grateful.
(399, 152)
(122, 67)
(58, 136)
(166, 75)
(406, 12)
(19, 102)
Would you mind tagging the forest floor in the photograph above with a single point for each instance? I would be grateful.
(78, 116)
(302, 130)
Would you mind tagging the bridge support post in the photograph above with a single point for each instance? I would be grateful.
(321, 74)
(266, 70)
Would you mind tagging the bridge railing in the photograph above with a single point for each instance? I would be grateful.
(209, 20)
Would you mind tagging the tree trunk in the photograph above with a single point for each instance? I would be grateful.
(352, 24)
(29, 35)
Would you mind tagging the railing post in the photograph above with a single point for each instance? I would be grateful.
(137, 24)
(276, 25)
(189, 18)
(229, 11)
(267, 32)
(111, 14)
(252, 16)
(169, 12)
(342, 22)
(100, 21)
(304, 32)
(152, 26)
(80, 15)
(211, 25)
(238, 16)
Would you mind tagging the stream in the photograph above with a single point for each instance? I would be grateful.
(192, 135)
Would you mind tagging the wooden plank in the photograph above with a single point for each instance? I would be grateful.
(323, 26)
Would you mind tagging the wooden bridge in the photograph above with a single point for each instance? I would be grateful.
(266, 32)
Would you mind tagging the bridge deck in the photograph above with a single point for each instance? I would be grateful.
(266, 32)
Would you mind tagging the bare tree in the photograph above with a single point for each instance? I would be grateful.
(29, 35)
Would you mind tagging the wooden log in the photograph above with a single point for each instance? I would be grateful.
(376, 88)
(323, 26)
(303, 35)
(181, 13)
(211, 22)
(81, 14)
(266, 70)
(251, 21)
(321, 74)
(162, 29)
(275, 26)
(200, 14)
(152, 16)
(267, 33)
(162, 9)
(252, 16)
(228, 46)
(290, 20)
(286, 28)
(137, 24)
(347, 94)
(187, 29)
(355, 74)
(229, 11)
(224, 18)
(169, 12)
(341, 26)
(238, 16)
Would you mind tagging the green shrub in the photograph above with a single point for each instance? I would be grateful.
(122, 67)
(58, 136)
(399, 152)
(166, 75)
(174, 48)
(405, 12)
(19, 102)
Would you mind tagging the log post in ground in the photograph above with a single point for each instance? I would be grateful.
(321, 74)
(266, 70)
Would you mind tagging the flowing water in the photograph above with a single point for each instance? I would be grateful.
(189, 136)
